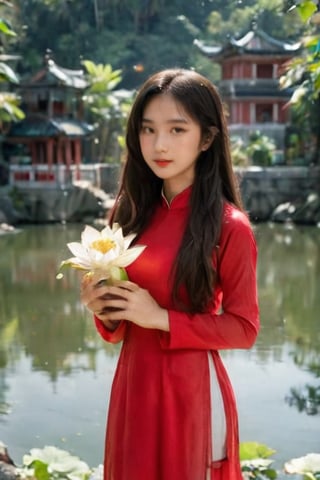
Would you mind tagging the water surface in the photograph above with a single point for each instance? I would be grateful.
(56, 373)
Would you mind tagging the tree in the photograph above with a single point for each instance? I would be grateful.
(303, 75)
(9, 109)
(107, 108)
(9, 102)
(126, 33)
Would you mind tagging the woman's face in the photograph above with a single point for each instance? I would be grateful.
(171, 142)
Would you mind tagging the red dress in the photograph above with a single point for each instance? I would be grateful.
(159, 421)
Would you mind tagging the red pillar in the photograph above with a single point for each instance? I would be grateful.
(33, 152)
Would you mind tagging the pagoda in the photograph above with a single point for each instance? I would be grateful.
(48, 145)
(250, 70)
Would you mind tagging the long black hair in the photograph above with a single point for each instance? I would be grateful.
(214, 181)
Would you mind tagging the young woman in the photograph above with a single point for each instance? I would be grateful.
(192, 292)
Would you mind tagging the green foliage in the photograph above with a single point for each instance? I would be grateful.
(253, 450)
(51, 463)
(9, 109)
(303, 72)
(5, 28)
(258, 150)
(7, 74)
(238, 152)
(305, 8)
(9, 102)
(266, 13)
(107, 108)
(302, 75)
(255, 463)
(103, 79)
(155, 33)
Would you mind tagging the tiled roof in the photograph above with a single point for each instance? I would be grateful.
(40, 126)
(53, 74)
(255, 41)
(258, 40)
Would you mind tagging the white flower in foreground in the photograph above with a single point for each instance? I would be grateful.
(104, 253)
(303, 465)
(56, 463)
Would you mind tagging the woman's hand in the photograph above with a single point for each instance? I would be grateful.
(123, 301)
(92, 297)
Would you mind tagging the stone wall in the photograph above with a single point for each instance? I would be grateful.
(264, 190)
(74, 203)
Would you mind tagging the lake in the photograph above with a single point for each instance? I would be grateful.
(56, 372)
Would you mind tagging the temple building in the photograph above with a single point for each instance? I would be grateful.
(250, 71)
(51, 140)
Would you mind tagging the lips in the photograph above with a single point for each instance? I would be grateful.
(162, 163)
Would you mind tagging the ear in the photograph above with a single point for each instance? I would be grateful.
(208, 138)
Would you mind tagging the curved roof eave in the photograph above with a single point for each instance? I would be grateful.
(67, 77)
(209, 50)
(273, 42)
(246, 44)
(42, 127)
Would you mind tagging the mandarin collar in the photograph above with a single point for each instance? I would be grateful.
(181, 200)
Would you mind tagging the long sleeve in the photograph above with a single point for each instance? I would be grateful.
(238, 323)
(112, 336)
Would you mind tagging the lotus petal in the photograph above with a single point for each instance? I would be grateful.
(78, 250)
(89, 235)
(308, 464)
(128, 240)
(129, 256)
(75, 263)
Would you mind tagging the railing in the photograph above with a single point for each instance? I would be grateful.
(39, 175)
(103, 176)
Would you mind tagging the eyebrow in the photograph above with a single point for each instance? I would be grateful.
(172, 120)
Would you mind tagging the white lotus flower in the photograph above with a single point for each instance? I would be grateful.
(308, 464)
(56, 463)
(104, 253)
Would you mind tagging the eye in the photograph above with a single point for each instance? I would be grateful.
(147, 130)
(177, 130)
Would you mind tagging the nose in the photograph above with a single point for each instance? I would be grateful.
(161, 143)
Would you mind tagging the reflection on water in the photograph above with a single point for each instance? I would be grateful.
(55, 372)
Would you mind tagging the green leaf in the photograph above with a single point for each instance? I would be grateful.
(6, 28)
(309, 476)
(17, 113)
(90, 66)
(9, 111)
(40, 470)
(270, 473)
(254, 450)
(7, 74)
(306, 9)
(311, 41)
